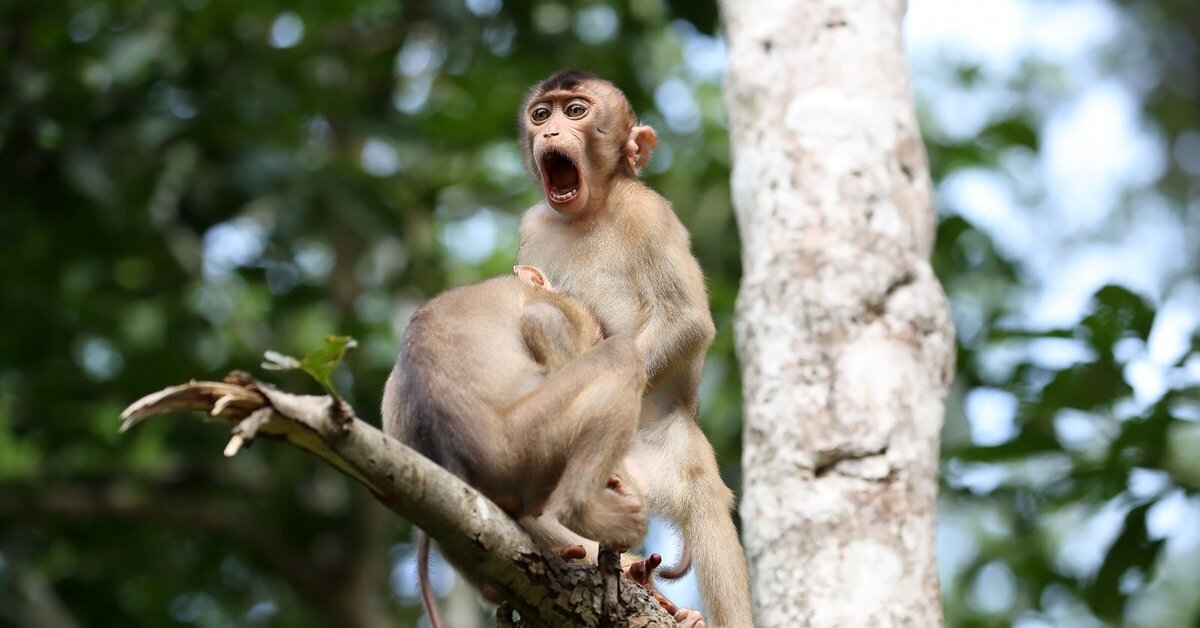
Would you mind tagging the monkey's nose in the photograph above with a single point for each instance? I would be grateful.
(550, 134)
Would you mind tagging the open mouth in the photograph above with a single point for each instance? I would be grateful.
(560, 176)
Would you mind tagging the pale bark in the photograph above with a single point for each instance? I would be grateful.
(468, 527)
(842, 329)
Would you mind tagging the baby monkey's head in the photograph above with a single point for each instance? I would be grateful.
(582, 318)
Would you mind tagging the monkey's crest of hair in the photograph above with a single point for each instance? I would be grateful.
(564, 79)
(569, 79)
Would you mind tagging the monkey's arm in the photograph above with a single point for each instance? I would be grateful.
(679, 329)
(678, 326)
(466, 525)
(668, 346)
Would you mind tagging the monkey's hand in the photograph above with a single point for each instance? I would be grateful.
(616, 521)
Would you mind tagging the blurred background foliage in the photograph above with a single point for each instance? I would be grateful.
(187, 184)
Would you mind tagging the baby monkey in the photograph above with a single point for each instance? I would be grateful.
(511, 386)
(617, 246)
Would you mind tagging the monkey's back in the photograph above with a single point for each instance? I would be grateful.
(462, 356)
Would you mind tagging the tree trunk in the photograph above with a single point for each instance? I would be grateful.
(842, 329)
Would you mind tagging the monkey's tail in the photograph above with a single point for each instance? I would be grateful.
(679, 570)
(423, 578)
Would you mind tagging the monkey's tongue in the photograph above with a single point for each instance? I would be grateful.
(562, 178)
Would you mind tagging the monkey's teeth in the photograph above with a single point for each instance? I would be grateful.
(563, 197)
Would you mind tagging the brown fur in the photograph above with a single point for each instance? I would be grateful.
(620, 249)
(510, 386)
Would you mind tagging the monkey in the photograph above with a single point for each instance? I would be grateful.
(612, 242)
(513, 387)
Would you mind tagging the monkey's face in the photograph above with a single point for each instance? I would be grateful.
(571, 141)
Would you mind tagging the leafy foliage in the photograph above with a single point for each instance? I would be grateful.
(189, 183)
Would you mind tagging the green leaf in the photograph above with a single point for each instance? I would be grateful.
(1182, 443)
(997, 334)
(1117, 313)
(1142, 441)
(1086, 386)
(1131, 550)
(1013, 131)
(319, 364)
(1033, 440)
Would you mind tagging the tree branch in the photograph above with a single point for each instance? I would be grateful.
(470, 529)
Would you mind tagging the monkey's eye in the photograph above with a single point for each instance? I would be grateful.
(540, 114)
(575, 110)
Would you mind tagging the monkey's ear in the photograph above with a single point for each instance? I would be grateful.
(530, 275)
(642, 140)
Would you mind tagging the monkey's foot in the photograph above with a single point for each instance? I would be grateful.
(572, 552)
(688, 618)
(642, 572)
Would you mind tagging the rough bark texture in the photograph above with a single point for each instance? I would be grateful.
(842, 329)
(543, 588)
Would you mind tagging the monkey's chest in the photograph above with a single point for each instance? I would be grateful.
(611, 296)
(596, 270)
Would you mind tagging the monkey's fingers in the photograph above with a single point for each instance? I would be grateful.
(642, 571)
(572, 552)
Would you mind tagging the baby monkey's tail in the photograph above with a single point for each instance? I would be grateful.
(423, 578)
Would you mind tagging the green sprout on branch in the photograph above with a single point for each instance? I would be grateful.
(319, 364)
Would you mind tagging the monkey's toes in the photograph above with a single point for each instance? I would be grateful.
(688, 618)
(642, 572)
(573, 552)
